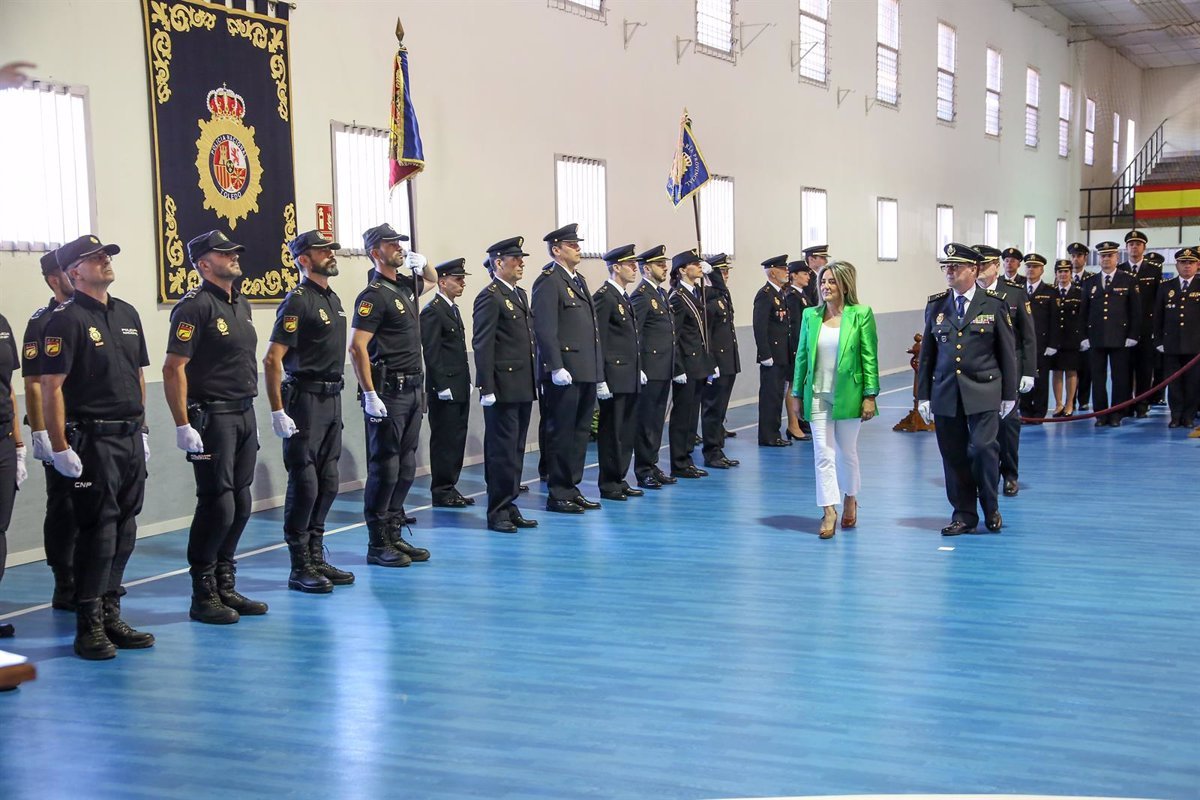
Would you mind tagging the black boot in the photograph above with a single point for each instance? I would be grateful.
(380, 550)
(397, 542)
(316, 551)
(304, 576)
(91, 642)
(231, 597)
(206, 603)
(64, 590)
(118, 630)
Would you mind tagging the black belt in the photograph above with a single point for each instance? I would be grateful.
(320, 387)
(109, 427)
(227, 406)
(393, 383)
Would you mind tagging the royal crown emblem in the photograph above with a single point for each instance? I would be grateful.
(227, 159)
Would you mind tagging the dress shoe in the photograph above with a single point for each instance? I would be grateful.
(563, 507)
(730, 434)
(1142, 413)
(775, 443)
(663, 477)
(649, 482)
(995, 522)
(1174, 424)
(956, 527)
(523, 488)
(631, 492)
(470, 501)
(688, 472)
(1101, 422)
(1010, 488)
(733, 462)
(1115, 421)
(450, 502)
(1083, 406)
(718, 463)
(521, 522)
(502, 526)
(6, 631)
(1058, 412)
(584, 503)
(803, 437)
(618, 495)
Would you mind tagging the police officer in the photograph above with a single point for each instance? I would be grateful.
(58, 526)
(1041, 303)
(13, 471)
(1111, 309)
(570, 365)
(693, 357)
(385, 350)
(715, 394)
(505, 372)
(656, 333)
(1135, 246)
(797, 296)
(447, 383)
(1011, 258)
(1078, 253)
(967, 381)
(308, 343)
(1144, 358)
(94, 404)
(772, 336)
(1177, 336)
(815, 257)
(1066, 332)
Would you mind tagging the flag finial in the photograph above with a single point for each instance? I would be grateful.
(399, 31)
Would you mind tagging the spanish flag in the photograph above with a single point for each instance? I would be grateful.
(406, 157)
(1167, 200)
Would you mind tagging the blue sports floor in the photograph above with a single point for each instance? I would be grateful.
(699, 642)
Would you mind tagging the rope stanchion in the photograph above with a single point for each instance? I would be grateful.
(1120, 406)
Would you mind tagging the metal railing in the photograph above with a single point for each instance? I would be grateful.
(1141, 166)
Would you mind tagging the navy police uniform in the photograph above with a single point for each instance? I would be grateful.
(693, 358)
(617, 426)
(1041, 305)
(9, 361)
(656, 333)
(715, 394)
(1084, 395)
(444, 341)
(773, 336)
(1177, 332)
(1143, 357)
(1111, 311)
(1066, 328)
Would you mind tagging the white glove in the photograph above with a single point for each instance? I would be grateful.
(373, 406)
(445, 394)
(187, 439)
(1160, 349)
(67, 463)
(1026, 384)
(705, 267)
(146, 446)
(1050, 351)
(716, 373)
(42, 449)
(487, 400)
(285, 426)
(561, 377)
(1006, 407)
(22, 470)
(770, 362)
(417, 262)
(925, 410)
(680, 378)
(642, 377)
(1130, 342)
(1084, 345)
(602, 391)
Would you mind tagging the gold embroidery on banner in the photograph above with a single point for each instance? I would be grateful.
(271, 41)
(277, 282)
(178, 17)
(182, 278)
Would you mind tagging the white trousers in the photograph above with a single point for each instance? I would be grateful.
(835, 452)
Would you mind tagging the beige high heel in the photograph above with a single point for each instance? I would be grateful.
(828, 532)
(849, 520)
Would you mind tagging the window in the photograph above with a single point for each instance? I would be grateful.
(887, 53)
(589, 9)
(44, 150)
(1060, 238)
(814, 32)
(1116, 148)
(1130, 141)
(995, 83)
(714, 27)
(814, 217)
(947, 57)
(1089, 133)
(1032, 85)
(1064, 120)
(945, 227)
(888, 228)
(991, 228)
(716, 216)
(360, 186)
(1030, 242)
(580, 196)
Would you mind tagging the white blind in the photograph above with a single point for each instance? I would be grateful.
(361, 199)
(814, 217)
(714, 24)
(814, 32)
(1064, 120)
(1060, 238)
(1130, 141)
(1116, 144)
(44, 152)
(945, 228)
(888, 228)
(1032, 85)
(887, 52)
(991, 228)
(1030, 242)
(995, 81)
(579, 186)
(716, 216)
(947, 60)
(1089, 132)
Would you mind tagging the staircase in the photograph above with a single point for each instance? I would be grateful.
(1175, 168)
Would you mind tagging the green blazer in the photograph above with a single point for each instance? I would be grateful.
(857, 374)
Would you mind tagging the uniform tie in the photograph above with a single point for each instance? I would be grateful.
(1107, 282)
(1062, 292)
(579, 282)
(457, 316)
(961, 305)
(1183, 287)
(663, 294)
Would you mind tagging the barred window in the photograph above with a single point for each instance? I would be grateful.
(887, 53)
(588, 9)
(947, 62)
(995, 83)
(1030, 242)
(44, 150)
(814, 34)
(714, 27)
(581, 196)
(888, 228)
(1089, 133)
(1060, 238)
(1032, 90)
(991, 228)
(361, 198)
(945, 227)
(716, 216)
(1116, 148)
(1064, 120)
(814, 217)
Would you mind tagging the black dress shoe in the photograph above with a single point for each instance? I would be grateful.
(619, 495)
(631, 492)
(775, 443)
(730, 434)
(1174, 424)
(584, 503)
(649, 482)
(450, 502)
(523, 488)
(1115, 421)
(521, 522)
(803, 437)
(956, 527)
(1101, 422)
(733, 462)
(1010, 488)
(719, 463)
(1142, 413)
(995, 522)
(502, 526)
(563, 507)
(470, 501)
(6, 631)
(663, 477)
(688, 472)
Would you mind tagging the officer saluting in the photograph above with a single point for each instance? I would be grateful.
(656, 332)
(1177, 336)
(308, 342)
(622, 377)
(967, 381)
(94, 403)
(447, 383)
(210, 378)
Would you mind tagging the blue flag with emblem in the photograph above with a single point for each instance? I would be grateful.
(688, 170)
(406, 156)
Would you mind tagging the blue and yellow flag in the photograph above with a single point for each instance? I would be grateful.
(688, 170)
(406, 157)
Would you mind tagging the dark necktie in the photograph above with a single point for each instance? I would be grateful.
(696, 293)
(1062, 293)
(663, 294)
(1183, 287)
(960, 305)
(1107, 282)
(579, 282)
(457, 316)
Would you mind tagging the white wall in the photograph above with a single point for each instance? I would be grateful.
(1173, 95)
(1115, 83)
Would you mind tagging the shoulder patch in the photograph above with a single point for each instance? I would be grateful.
(938, 296)
(491, 287)
(65, 305)
(37, 313)
(991, 293)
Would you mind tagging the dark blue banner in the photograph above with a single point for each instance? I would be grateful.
(688, 170)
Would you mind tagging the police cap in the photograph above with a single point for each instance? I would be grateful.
(507, 247)
(626, 252)
(373, 237)
(308, 240)
(567, 233)
(454, 268)
(81, 248)
(208, 243)
(778, 262)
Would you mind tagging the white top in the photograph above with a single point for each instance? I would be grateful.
(827, 353)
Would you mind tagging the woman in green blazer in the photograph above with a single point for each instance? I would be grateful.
(836, 380)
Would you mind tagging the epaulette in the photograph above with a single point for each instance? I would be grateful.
(641, 288)
(374, 285)
(994, 293)
(546, 270)
(492, 286)
(41, 310)
(603, 288)
(65, 305)
(938, 296)
(299, 290)
(191, 294)
(765, 289)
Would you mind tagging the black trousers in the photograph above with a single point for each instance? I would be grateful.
(58, 528)
(615, 435)
(223, 472)
(971, 462)
(311, 459)
(1183, 396)
(1036, 402)
(714, 403)
(568, 421)
(1101, 359)
(8, 491)
(106, 500)
(505, 429)
(651, 416)
(1144, 358)
(685, 415)
(447, 444)
(392, 456)
(772, 381)
(1083, 394)
(1010, 446)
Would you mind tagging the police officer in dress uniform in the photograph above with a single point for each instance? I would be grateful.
(1144, 358)
(1112, 307)
(58, 527)
(798, 297)
(308, 343)
(693, 357)
(773, 335)
(966, 381)
(722, 333)
(505, 372)
(656, 333)
(1011, 258)
(385, 349)
(815, 257)
(1041, 302)
(570, 365)
(1066, 332)
(1078, 253)
(94, 405)
(1021, 314)
(623, 376)
(1177, 336)
(447, 383)
(13, 471)
(210, 378)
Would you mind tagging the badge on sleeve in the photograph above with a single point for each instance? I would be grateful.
(290, 324)
(53, 346)
(364, 308)
(31, 349)
(184, 331)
